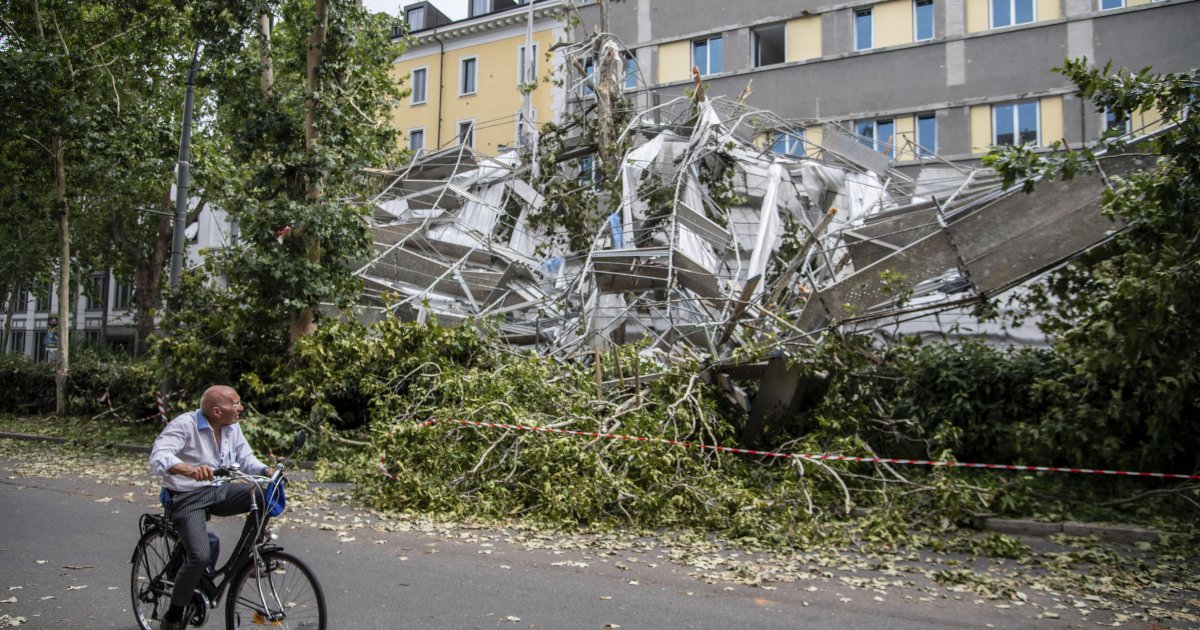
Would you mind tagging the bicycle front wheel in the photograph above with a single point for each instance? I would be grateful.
(280, 591)
(149, 584)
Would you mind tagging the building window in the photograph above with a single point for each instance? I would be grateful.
(587, 170)
(1011, 12)
(93, 293)
(1108, 5)
(1116, 125)
(466, 132)
(480, 7)
(415, 18)
(878, 134)
(39, 346)
(527, 66)
(21, 297)
(788, 143)
(631, 72)
(122, 296)
(16, 341)
(926, 135)
(43, 300)
(530, 124)
(589, 75)
(767, 45)
(863, 29)
(922, 20)
(467, 70)
(707, 55)
(1015, 123)
(420, 79)
(416, 139)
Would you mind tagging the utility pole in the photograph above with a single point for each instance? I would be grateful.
(181, 206)
(181, 183)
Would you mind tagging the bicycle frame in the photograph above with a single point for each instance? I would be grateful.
(250, 547)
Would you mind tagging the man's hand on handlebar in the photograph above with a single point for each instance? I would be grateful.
(199, 473)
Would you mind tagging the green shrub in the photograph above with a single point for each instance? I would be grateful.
(26, 386)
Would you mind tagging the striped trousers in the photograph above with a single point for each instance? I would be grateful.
(189, 512)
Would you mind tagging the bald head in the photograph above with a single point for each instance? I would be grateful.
(216, 395)
(221, 404)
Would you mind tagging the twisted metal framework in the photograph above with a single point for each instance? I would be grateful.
(803, 236)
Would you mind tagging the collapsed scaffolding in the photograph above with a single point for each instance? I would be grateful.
(800, 237)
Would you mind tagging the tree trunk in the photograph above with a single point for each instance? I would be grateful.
(148, 267)
(64, 279)
(302, 322)
(37, 18)
(266, 77)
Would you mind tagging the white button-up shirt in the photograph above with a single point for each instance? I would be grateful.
(190, 439)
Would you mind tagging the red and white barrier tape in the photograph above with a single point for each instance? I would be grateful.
(821, 457)
(162, 409)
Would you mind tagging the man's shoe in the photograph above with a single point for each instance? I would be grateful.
(172, 625)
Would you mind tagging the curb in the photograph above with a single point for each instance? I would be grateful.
(1127, 534)
(33, 438)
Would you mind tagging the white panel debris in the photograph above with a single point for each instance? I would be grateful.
(805, 240)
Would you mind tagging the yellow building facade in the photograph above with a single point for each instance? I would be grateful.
(464, 80)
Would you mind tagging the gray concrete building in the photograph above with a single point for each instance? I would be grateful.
(910, 77)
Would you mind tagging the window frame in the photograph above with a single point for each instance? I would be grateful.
(792, 140)
(16, 341)
(23, 298)
(1100, 5)
(628, 73)
(868, 13)
(925, 149)
(1015, 105)
(708, 56)
(755, 38)
(917, 22)
(462, 62)
(532, 123)
(122, 297)
(420, 130)
(876, 145)
(408, 17)
(458, 127)
(589, 77)
(1125, 126)
(587, 170)
(488, 4)
(1012, 13)
(44, 306)
(94, 303)
(521, 64)
(412, 98)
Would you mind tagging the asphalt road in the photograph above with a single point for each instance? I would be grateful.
(65, 546)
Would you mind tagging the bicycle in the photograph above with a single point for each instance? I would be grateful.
(268, 586)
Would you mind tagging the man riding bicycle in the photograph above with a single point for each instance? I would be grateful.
(185, 455)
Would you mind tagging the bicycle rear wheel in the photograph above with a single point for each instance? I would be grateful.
(279, 592)
(149, 583)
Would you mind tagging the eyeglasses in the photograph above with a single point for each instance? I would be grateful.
(237, 405)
